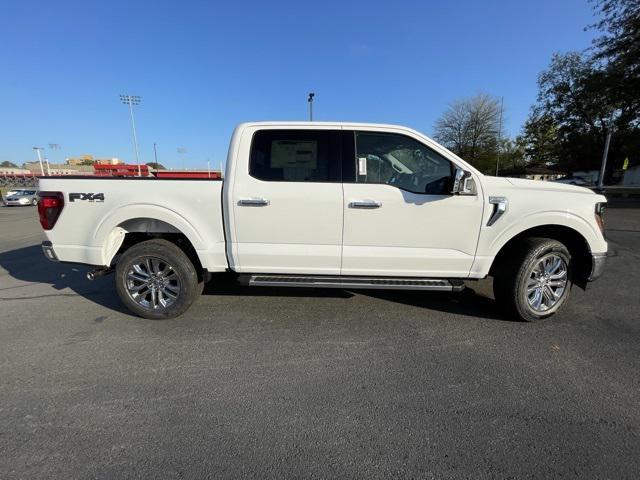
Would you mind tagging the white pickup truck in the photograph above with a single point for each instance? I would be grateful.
(330, 205)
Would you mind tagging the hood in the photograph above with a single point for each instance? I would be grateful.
(549, 186)
(537, 185)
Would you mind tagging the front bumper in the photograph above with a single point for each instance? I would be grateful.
(49, 252)
(598, 261)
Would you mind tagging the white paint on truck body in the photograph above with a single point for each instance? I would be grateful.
(86, 231)
(309, 227)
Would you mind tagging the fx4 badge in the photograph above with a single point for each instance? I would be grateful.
(91, 197)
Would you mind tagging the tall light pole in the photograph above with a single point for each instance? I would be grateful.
(310, 100)
(38, 150)
(182, 151)
(132, 100)
(155, 154)
(52, 146)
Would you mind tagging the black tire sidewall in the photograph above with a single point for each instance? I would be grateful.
(510, 280)
(174, 256)
(522, 277)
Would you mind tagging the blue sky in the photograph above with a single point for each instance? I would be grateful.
(203, 66)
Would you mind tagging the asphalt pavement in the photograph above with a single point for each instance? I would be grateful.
(285, 383)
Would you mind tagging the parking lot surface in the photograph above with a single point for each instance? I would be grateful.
(273, 383)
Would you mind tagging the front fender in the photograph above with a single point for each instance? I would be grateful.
(497, 240)
(493, 239)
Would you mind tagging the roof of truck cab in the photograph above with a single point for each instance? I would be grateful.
(323, 124)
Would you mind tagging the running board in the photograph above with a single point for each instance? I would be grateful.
(386, 283)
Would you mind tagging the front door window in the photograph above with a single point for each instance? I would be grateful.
(402, 162)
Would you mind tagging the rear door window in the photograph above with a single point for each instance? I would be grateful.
(295, 156)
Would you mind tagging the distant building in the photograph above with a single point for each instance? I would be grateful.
(84, 159)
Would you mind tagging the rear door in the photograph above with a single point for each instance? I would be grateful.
(287, 202)
(400, 218)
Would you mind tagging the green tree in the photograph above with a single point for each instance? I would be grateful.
(8, 164)
(584, 95)
(512, 153)
(158, 166)
(618, 48)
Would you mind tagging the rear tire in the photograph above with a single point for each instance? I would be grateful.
(534, 281)
(155, 279)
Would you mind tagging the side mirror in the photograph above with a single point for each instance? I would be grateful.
(463, 183)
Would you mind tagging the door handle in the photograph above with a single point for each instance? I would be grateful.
(367, 204)
(253, 202)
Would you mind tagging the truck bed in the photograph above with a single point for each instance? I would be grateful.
(99, 212)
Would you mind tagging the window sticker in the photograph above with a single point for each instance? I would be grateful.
(362, 166)
(294, 154)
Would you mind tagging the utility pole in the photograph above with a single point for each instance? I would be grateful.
(38, 150)
(499, 135)
(132, 100)
(155, 154)
(310, 100)
(605, 154)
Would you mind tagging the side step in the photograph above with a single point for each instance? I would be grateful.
(386, 283)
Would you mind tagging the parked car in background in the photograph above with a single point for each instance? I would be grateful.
(571, 180)
(21, 197)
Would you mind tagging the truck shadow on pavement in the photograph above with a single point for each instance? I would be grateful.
(469, 302)
(28, 265)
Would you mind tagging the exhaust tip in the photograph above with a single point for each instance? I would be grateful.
(98, 272)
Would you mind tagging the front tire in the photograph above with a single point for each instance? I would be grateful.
(534, 281)
(155, 279)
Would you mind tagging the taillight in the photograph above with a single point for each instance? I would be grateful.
(50, 206)
(600, 216)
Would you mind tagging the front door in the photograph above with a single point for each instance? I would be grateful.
(399, 216)
(288, 207)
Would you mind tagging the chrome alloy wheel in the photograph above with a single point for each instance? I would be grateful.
(152, 283)
(547, 283)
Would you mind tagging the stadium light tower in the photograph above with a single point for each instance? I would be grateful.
(132, 100)
(310, 100)
(182, 151)
(38, 150)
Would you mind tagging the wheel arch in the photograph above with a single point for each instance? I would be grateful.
(575, 242)
(132, 231)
